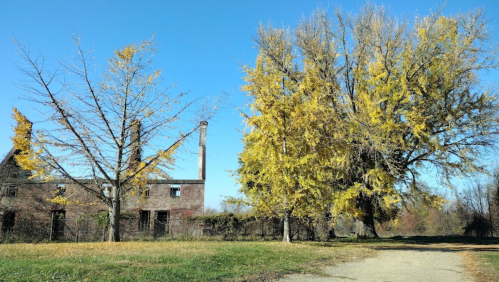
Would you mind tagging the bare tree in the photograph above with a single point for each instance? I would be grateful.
(105, 127)
(474, 208)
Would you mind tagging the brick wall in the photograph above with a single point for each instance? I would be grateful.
(190, 202)
(32, 202)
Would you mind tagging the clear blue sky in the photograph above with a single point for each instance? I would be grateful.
(203, 43)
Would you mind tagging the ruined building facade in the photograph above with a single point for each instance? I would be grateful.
(159, 210)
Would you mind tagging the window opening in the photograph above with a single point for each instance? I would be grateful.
(58, 223)
(61, 190)
(12, 191)
(144, 220)
(147, 191)
(175, 190)
(103, 216)
(106, 190)
(161, 223)
(9, 219)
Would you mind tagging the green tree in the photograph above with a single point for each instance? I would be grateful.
(392, 98)
(93, 123)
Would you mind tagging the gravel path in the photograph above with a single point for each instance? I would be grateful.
(396, 265)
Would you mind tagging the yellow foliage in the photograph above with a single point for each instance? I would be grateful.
(127, 53)
(64, 201)
(282, 157)
(27, 157)
(144, 172)
(339, 115)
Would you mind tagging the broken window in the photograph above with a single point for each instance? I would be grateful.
(144, 220)
(11, 191)
(106, 190)
(61, 190)
(145, 190)
(175, 190)
(22, 174)
(9, 218)
(58, 223)
(161, 223)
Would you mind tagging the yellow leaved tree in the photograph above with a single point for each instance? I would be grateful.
(105, 128)
(283, 165)
(393, 98)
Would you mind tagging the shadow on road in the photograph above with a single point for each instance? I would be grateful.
(426, 243)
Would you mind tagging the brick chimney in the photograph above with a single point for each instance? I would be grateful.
(202, 151)
(135, 148)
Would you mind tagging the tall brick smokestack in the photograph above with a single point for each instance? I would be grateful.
(135, 147)
(202, 151)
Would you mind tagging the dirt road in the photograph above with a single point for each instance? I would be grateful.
(397, 265)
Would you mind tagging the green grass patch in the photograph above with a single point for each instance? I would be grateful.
(489, 264)
(168, 261)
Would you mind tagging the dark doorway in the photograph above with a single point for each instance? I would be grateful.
(144, 220)
(161, 223)
(9, 218)
(58, 223)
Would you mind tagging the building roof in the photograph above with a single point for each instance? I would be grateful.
(9, 155)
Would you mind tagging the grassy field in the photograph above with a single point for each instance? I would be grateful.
(169, 261)
(492, 259)
(216, 260)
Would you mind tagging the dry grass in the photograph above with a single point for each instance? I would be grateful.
(169, 261)
(482, 266)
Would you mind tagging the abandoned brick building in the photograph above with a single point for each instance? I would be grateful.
(26, 209)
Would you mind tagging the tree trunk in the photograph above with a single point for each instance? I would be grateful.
(363, 230)
(331, 234)
(364, 227)
(114, 217)
(286, 236)
(489, 202)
